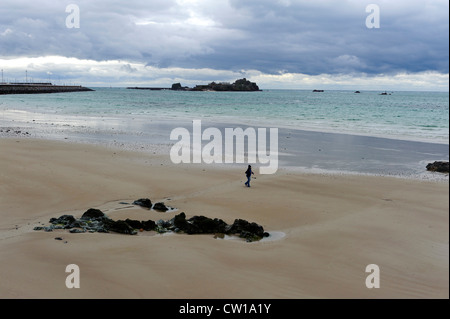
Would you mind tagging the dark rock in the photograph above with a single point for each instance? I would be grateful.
(58, 238)
(178, 87)
(92, 213)
(206, 225)
(180, 222)
(62, 220)
(242, 226)
(134, 223)
(38, 228)
(122, 227)
(143, 202)
(438, 166)
(160, 207)
(245, 85)
(148, 225)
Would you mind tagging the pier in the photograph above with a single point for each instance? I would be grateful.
(36, 88)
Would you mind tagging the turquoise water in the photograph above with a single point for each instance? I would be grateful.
(416, 116)
(369, 133)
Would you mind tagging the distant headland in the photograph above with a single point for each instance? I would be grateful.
(36, 88)
(241, 85)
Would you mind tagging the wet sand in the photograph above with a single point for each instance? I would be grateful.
(325, 229)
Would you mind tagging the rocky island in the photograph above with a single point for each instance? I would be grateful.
(238, 85)
(241, 85)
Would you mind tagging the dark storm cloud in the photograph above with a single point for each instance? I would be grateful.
(331, 37)
(309, 37)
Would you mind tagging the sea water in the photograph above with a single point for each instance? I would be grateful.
(392, 133)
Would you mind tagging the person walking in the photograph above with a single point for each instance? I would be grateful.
(248, 173)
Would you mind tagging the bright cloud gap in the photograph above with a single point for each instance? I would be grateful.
(120, 73)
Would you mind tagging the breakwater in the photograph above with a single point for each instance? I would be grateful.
(35, 88)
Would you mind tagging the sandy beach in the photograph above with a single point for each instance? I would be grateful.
(325, 229)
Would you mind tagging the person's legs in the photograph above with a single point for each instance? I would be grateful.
(248, 181)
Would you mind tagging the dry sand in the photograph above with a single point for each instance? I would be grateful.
(326, 229)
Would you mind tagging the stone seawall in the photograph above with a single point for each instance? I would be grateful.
(39, 88)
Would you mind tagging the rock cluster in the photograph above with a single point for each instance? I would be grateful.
(238, 85)
(94, 220)
(12, 131)
(147, 203)
(205, 225)
(438, 166)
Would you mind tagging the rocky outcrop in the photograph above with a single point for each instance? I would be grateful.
(160, 207)
(238, 85)
(143, 202)
(63, 220)
(94, 220)
(205, 225)
(92, 213)
(147, 203)
(438, 166)
(178, 87)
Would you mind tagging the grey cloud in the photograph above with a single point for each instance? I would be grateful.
(310, 37)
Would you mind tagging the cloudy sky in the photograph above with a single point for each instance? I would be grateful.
(292, 44)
